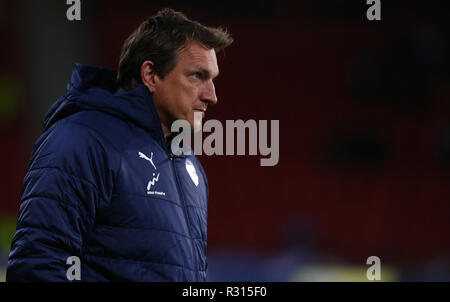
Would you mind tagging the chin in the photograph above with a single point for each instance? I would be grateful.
(197, 126)
(197, 122)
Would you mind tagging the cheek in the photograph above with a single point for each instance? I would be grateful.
(179, 97)
(190, 89)
(188, 96)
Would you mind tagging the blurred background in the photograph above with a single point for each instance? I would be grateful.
(364, 111)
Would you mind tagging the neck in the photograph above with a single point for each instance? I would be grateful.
(165, 130)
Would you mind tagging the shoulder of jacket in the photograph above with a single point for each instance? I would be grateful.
(111, 130)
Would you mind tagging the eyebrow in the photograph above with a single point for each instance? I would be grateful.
(207, 72)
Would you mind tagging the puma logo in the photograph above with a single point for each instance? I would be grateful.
(143, 156)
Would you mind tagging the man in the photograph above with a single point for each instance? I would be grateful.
(104, 198)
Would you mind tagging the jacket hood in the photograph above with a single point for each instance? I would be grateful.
(93, 88)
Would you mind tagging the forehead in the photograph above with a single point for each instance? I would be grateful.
(196, 55)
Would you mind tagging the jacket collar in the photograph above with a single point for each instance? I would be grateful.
(94, 88)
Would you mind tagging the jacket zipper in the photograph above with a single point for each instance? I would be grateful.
(172, 159)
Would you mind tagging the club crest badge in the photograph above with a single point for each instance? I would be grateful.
(190, 168)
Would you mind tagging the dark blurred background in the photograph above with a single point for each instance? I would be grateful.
(363, 107)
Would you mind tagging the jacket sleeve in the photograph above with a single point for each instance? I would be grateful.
(67, 181)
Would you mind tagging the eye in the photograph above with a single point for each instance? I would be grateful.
(197, 75)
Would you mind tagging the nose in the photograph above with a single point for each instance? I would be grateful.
(209, 93)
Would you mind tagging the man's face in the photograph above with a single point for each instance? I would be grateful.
(188, 88)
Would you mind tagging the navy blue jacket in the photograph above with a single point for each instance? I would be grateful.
(103, 185)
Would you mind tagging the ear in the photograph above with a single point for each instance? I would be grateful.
(148, 75)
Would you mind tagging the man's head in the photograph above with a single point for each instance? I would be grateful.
(176, 59)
